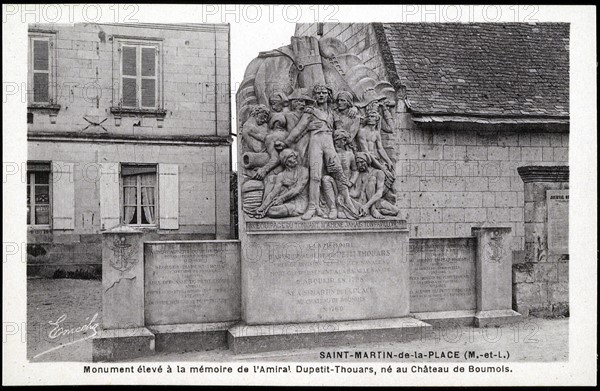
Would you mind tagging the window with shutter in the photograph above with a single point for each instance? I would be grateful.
(139, 75)
(139, 194)
(41, 69)
(38, 195)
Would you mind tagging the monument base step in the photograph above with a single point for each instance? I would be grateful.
(244, 338)
(447, 318)
(190, 337)
(496, 318)
(122, 344)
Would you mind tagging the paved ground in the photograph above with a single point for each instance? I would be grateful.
(533, 339)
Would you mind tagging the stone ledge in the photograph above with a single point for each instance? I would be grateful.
(496, 318)
(447, 318)
(544, 173)
(190, 337)
(265, 338)
(121, 344)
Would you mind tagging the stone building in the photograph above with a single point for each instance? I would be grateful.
(127, 124)
(476, 102)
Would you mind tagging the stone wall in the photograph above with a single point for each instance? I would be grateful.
(541, 281)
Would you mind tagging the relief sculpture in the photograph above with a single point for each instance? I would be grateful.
(311, 116)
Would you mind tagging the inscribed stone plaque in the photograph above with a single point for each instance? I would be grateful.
(558, 221)
(192, 282)
(442, 274)
(303, 276)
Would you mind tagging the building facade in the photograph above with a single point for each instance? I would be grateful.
(127, 124)
(476, 103)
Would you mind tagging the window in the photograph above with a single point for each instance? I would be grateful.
(41, 69)
(139, 75)
(139, 194)
(38, 194)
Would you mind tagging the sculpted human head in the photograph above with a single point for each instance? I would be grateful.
(261, 114)
(322, 93)
(277, 101)
(372, 117)
(341, 138)
(363, 161)
(344, 100)
(289, 158)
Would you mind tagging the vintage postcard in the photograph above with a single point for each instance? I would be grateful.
(299, 194)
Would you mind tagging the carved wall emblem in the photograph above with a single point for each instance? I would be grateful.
(122, 258)
(493, 249)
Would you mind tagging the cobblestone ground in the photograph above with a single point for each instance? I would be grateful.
(533, 339)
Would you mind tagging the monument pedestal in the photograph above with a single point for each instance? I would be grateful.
(494, 277)
(123, 334)
(245, 338)
(323, 283)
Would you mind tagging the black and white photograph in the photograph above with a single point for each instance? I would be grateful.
(220, 194)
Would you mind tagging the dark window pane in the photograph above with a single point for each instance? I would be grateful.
(40, 55)
(40, 87)
(42, 214)
(28, 214)
(42, 195)
(42, 178)
(129, 61)
(129, 92)
(28, 195)
(148, 62)
(148, 93)
(130, 215)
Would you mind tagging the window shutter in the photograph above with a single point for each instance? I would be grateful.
(110, 210)
(41, 60)
(129, 80)
(41, 54)
(63, 196)
(148, 77)
(168, 196)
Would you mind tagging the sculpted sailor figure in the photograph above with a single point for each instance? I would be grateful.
(369, 141)
(341, 140)
(254, 130)
(370, 189)
(277, 131)
(299, 99)
(289, 195)
(319, 122)
(346, 114)
(277, 119)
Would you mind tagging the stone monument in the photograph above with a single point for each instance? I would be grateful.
(323, 250)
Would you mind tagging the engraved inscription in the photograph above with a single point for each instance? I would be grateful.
(192, 282)
(291, 225)
(442, 274)
(321, 279)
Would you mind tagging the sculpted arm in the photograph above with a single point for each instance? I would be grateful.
(295, 133)
(271, 196)
(382, 152)
(273, 158)
(353, 169)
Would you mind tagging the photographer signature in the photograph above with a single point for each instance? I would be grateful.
(59, 330)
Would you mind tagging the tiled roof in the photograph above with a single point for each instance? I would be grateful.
(480, 69)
